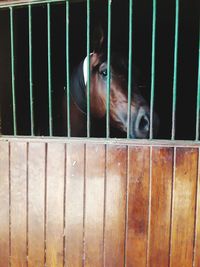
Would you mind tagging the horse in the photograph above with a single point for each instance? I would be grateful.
(139, 109)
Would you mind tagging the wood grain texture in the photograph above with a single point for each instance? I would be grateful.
(18, 175)
(94, 204)
(138, 199)
(184, 197)
(115, 209)
(197, 223)
(36, 210)
(4, 204)
(55, 204)
(159, 237)
(74, 205)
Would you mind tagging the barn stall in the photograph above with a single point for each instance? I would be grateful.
(68, 201)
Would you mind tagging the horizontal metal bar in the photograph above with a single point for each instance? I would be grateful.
(18, 3)
(109, 141)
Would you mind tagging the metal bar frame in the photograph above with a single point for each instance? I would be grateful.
(30, 71)
(49, 69)
(88, 68)
(108, 71)
(175, 70)
(67, 70)
(153, 68)
(130, 67)
(13, 72)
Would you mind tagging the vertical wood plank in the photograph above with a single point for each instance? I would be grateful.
(116, 179)
(162, 172)
(55, 203)
(74, 205)
(18, 172)
(4, 204)
(36, 189)
(197, 223)
(138, 200)
(184, 207)
(95, 172)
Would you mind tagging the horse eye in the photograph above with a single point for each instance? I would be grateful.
(104, 73)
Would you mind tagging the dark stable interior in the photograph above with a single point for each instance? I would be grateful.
(187, 70)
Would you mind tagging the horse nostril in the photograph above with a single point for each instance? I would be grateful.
(142, 124)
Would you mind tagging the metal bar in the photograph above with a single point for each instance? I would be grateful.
(67, 70)
(21, 3)
(152, 68)
(130, 66)
(108, 72)
(30, 69)
(198, 98)
(49, 69)
(175, 70)
(13, 72)
(88, 68)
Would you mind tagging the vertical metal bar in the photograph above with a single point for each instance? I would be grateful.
(130, 66)
(88, 68)
(198, 97)
(153, 68)
(49, 70)
(175, 70)
(13, 72)
(67, 70)
(108, 71)
(30, 68)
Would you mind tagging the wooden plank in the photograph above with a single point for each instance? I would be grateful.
(18, 172)
(4, 204)
(115, 208)
(74, 205)
(36, 189)
(162, 173)
(184, 197)
(55, 203)
(138, 199)
(94, 209)
(197, 223)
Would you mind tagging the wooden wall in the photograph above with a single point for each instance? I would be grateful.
(94, 204)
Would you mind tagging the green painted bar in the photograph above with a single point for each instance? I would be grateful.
(49, 70)
(30, 69)
(67, 70)
(153, 68)
(108, 71)
(130, 66)
(198, 98)
(13, 72)
(175, 70)
(88, 68)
